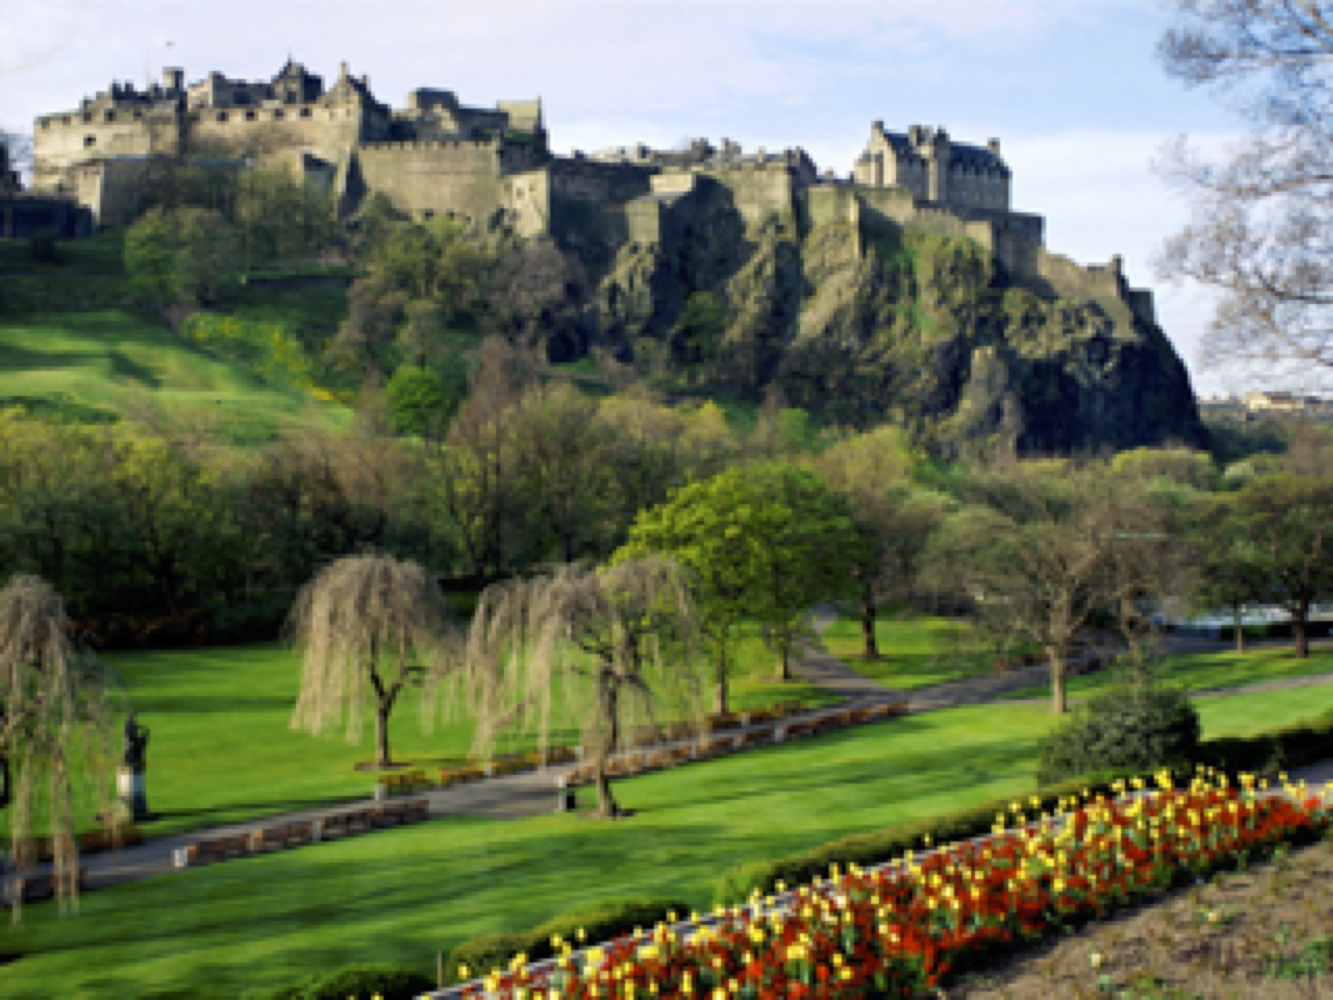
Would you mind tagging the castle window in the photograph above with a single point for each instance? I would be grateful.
(109, 116)
(222, 116)
(65, 120)
(249, 116)
(277, 113)
(305, 112)
(89, 140)
(87, 118)
(46, 124)
(138, 116)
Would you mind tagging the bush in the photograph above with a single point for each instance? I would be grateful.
(360, 982)
(43, 248)
(1139, 728)
(600, 922)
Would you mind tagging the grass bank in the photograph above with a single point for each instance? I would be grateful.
(403, 894)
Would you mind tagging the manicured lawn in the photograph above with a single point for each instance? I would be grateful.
(400, 895)
(221, 749)
(1204, 671)
(916, 651)
(109, 359)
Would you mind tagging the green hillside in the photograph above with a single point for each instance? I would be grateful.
(73, 344)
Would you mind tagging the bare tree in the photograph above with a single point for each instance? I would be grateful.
(1261, 228)
(356, 620)
(622, 640)
(1038, 553)
(56, 716)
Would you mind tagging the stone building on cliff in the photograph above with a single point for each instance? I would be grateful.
(438, 157)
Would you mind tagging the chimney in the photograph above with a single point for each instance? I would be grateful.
(877, 128)
(173, 79)
(994, 146)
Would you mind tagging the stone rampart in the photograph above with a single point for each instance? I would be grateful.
(436, 178)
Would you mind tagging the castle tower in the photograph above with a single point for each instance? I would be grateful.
(937, 167)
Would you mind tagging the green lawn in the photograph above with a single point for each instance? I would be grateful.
(226, 711)
(112, 359)
(916, 651)
(1204, 671)
(401, 895)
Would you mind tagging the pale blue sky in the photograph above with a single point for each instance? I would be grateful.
(1070, 87)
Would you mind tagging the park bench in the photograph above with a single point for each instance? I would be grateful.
(280, 837)
(38, 887)
(458, 775)
(219, 849)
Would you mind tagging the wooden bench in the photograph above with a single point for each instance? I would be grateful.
(459, 775)
(38, 887)
(281, 837)
(219, 849)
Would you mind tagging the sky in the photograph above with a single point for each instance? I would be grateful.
(1071, 88)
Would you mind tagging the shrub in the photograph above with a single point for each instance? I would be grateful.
(43, 248)
(1135, 727)
(600, 922)
(360, 982)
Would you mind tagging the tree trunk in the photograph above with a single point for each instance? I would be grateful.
(720, 701)
(1240, 629)
(382, 733)
(868, 622)
(1298, 630)
(1059, 704)
(606, 803)
(784, 648)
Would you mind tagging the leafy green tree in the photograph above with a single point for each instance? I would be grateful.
(700, 327)
(1231, 570)
(183, 255)
(423, 401)
(1290, 523)
(764, 541)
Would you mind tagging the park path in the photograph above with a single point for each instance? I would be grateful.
(534, 793)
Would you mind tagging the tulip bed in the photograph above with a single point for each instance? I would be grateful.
(901, 929)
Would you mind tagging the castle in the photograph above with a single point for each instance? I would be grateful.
(437, 157)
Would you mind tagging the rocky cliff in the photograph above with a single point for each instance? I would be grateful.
(901, 323)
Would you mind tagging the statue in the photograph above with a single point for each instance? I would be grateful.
(136, 742)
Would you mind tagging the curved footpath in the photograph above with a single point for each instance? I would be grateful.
(534, 793)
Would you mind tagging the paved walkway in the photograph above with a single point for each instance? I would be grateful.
(533, 793)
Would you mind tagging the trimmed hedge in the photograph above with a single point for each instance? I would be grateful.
(601, 922)
(1267, 753)
(355, 982)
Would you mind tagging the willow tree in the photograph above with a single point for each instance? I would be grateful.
(620, 640)
(57, 706)
(367, 618)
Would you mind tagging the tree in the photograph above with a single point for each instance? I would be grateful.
(185, 255)
(1261, 219)
(535, 293)
(563, 454)
(1035, 551)
(375, 307)
(1290, 522)
(894, 522)
(355, 621)
(755, 542)
(480, 484)
(622, 639)
(1230, 568)
(56, 715)
(423, 401)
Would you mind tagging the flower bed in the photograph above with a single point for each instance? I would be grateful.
(897, 929)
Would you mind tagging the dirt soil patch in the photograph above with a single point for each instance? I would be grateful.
(1265, 932)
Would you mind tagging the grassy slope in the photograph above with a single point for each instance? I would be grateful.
(402, 894)
(915, 652)
(70, 336)
(227, 711)
(1205, 671)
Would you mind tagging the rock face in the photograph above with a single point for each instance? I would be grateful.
(929, 330)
